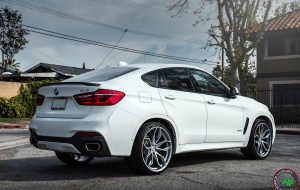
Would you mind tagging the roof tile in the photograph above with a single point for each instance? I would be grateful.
(290, 20)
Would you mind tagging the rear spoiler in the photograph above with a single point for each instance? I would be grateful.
(72, 83)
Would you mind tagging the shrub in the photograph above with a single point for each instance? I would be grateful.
(290, 113)
(24, 104)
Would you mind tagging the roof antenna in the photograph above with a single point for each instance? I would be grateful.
(122, 63)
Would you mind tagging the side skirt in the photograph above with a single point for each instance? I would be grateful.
(209, 146)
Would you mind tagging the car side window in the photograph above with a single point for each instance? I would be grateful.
(150, 78)
(207, 84)
(161, 81)
(177, 79)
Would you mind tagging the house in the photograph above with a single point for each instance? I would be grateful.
(44, 71)
(278, 53)
(278, 60)
(278, 67)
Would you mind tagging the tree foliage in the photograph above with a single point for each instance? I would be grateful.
(12, 34)
(285, 7)
(11, 63)
(234, 16)
(249, 77)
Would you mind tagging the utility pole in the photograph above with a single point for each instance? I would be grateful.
(2, 39)
(222, 64)
(222, 54)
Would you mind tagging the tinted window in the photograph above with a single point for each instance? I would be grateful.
(150, 78)
(104, 74)
(208, 84)
(177, 79)
(161, 81)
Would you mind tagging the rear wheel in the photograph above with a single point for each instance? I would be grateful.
(260, 142)
(73, 159)
(152, 149)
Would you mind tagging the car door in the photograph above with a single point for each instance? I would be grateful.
(225, 114)
(185, 107)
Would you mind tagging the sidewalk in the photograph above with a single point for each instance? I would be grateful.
(288, 131)
(15, 125)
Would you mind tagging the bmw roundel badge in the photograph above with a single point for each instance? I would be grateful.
(56, 92)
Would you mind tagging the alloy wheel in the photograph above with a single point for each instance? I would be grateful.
(156, 148)
(262, 139)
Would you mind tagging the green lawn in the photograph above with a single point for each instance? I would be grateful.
(14, 119)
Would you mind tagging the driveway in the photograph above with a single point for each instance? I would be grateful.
(25, 167)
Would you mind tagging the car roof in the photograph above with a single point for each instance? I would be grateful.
(154, 66)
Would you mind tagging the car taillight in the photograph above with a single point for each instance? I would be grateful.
(40, 99)
(99, 98)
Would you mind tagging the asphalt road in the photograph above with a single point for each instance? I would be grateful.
(25, 167)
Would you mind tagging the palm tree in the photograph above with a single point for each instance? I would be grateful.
(10, 63)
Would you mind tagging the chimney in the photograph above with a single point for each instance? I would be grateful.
(83, 65)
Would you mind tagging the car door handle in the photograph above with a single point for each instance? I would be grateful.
(211, 102)
(170, 97)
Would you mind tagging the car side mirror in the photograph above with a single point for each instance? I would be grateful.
(234, 91)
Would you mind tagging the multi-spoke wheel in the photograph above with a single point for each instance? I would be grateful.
(260, 142)
(73, 159)
(152, 149)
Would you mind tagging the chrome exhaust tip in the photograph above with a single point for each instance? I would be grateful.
(92, 146)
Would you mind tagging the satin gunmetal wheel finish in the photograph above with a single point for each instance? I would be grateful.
(157, 148)
(262, 139)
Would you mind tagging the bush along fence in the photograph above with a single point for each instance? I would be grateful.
(284, 104)
(24, 104)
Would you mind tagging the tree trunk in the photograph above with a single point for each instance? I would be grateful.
(243, 74)
(2, 65)
(235, 76)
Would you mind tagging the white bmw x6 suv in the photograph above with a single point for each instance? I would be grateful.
(147, 113)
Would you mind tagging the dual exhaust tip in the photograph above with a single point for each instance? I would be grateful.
(92, 146)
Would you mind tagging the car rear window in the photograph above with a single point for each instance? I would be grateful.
(150, 78)
(103, 74)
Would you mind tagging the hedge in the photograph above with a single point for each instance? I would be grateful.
(24, 104)
(290, 113)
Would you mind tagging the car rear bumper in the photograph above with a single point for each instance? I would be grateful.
(114, 125)
(89, 145)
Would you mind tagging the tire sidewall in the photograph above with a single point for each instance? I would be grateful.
(139, 145)
(252, 141)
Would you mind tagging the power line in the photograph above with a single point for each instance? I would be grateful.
(45, 54)
(82, 40)
(96, 23)
(112, 49)
(113, 57)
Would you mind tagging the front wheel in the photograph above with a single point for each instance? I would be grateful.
(260, 141)
(152, 149)
(73, 159)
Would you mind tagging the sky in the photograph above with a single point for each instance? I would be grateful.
(150, 16)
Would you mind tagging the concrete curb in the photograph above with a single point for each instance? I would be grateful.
(288, 132)
(14, 127)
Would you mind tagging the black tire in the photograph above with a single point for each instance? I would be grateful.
(73, 159)
(257, 147)
(152, 144)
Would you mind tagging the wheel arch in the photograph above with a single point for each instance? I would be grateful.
(169, 125)
(267, 119)
(264, 117)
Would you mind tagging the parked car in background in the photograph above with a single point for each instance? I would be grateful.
(147, 113)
